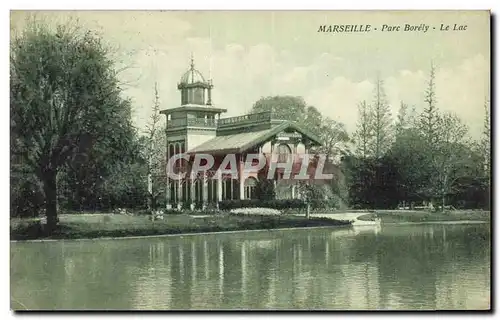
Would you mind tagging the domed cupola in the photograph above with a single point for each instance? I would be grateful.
(192, 76)
(193, 86)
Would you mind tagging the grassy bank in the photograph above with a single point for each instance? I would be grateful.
(395, 216)
(107, 225)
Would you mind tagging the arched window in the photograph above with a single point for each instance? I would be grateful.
(250, 188)
(177, 148)
(171, 151)
(284, 153)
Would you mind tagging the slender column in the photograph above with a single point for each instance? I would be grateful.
(174, 191)
(242, 188)
(168, 205)
(179, 194)
(205, 192)
(213, 190)
(219, 187)
(241, 178)
(231, 188)
(193, 193)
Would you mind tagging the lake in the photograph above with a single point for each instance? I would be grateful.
(438, 266)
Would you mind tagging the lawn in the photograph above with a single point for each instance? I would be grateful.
(395, 216)
(77, 226)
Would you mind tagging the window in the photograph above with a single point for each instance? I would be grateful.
(171, 151)
(284, 153)
(250, 188)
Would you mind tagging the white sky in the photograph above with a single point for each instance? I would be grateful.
(254, 54)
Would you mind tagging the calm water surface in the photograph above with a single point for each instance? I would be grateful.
(392, 267)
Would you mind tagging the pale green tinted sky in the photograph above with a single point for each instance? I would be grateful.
(260, 53)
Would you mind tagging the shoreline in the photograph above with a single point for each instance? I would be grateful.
(189, 234)
(182, 234)
(439, 222)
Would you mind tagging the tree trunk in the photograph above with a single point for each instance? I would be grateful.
(50, 189)
(443, 199)
(150, 192)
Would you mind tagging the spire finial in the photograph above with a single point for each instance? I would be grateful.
(192, 61)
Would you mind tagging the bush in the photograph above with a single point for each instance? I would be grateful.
(323, 204)
(257, 203)
(265, 189)
(26, 230)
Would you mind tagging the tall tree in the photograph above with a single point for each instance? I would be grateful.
(334, 138)
(64, 97)
(430, 115)
(451, 157)
(402, 122)
(363, 137)
(284, 107)
(485, 141)
(331, 133)
(155, 151)
(312, 120)
(428, 127)
(381, 121)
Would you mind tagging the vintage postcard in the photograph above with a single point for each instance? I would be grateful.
(250, 160)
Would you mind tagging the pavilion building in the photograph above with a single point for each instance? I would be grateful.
(196, 126)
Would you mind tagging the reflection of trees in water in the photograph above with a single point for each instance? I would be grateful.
(32, 276)
(461, 281)
(414, 261)
(69, 275)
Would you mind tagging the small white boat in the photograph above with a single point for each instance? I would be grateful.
(360, 226)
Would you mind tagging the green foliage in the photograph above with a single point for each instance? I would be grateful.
(283, 107)
(363, 136)
(332, 134)
(430, 157)
(374, 128)
(265, 189)
(373, 183)
(67, 113)
(381, 121)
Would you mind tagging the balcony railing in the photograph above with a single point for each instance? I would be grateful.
(192, 122)
(226, 122)
(248, 118)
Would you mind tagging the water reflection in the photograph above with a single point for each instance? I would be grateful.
(397, 267)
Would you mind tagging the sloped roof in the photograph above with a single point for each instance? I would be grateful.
(241, 142)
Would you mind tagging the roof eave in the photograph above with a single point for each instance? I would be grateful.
(277, 129)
